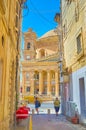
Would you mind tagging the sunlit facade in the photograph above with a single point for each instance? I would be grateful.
(40, 71)
(74, 42)
(10, 23)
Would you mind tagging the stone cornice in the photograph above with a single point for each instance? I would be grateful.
(34, 69)
(27, 63)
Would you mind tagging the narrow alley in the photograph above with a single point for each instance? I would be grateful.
(46, 119)
(42, 64)
(48, 122)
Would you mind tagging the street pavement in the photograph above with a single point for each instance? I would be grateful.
(48, 122)
(45, 121)
(22, 125)
(51, 122)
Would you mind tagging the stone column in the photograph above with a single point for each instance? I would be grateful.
(32, 83)
(40, 82)
(48, 83)
(56, 84)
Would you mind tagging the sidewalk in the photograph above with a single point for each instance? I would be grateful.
(22, 125)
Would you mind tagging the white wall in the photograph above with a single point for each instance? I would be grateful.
(76, 92)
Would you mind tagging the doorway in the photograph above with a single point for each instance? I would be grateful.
(82, 95)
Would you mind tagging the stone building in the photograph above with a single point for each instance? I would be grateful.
(40, 71)
(10, 23)
(74, 41)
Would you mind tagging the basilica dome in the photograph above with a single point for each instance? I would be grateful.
(50, 33)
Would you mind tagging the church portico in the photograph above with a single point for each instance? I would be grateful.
(42, 82)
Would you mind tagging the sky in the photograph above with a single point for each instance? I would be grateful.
(39, 15)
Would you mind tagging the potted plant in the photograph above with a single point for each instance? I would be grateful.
(75, 118)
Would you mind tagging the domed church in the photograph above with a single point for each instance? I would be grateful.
(40, 71)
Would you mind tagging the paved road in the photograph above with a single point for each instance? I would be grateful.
(48, 122)
(51, 122)
(43, 121)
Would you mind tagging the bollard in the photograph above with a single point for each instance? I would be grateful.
(32, 111)
(48, 111)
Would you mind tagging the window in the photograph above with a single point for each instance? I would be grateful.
(28, 57)
(2, 40)
(53, 76)
(28, 89)
(17, 14)
(79, 43)
(42, 53)
(17, 8)
(65, 29)
(69, 1)
(28, 45)
(3, 6)
(77, 12)
(27, 76)
(36, 76)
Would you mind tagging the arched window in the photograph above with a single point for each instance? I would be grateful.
(28, 45)
(42, 52)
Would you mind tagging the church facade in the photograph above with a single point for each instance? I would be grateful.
(40, 71)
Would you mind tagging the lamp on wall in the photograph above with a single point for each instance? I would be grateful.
(57, 17)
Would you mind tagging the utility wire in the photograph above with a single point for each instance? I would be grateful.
(25, 6)
(42, 22)
(40, 13)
